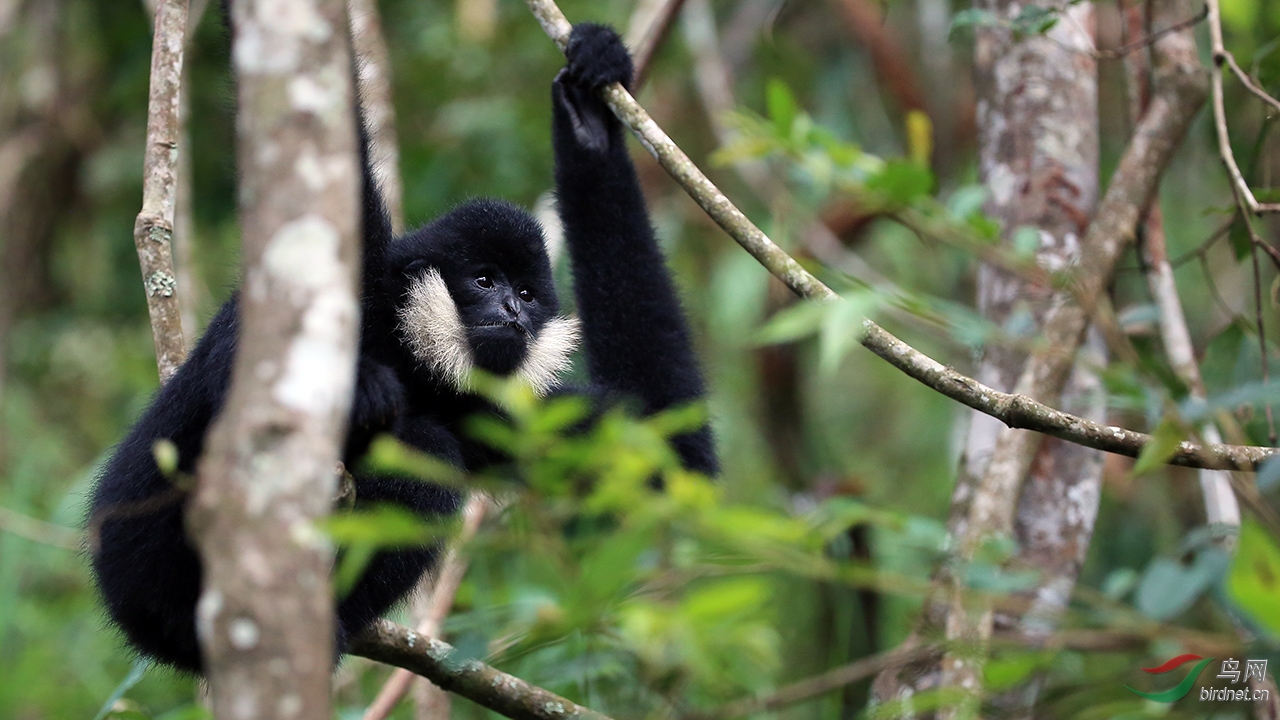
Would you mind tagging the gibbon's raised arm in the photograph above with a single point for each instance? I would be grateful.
(637, 342)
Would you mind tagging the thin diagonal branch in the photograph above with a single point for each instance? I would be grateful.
(645, 39)
(1248, 82)
(1115, 227)
(1142, 42)
(821, 684)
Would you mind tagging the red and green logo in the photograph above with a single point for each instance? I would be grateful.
(1181, 689)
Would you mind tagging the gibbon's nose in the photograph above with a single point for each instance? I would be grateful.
(510, 307)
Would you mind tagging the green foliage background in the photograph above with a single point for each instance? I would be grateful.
(634, 602)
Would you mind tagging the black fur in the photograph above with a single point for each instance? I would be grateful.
(492, 257)
(636, 340)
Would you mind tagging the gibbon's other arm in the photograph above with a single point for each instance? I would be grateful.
(637, 341)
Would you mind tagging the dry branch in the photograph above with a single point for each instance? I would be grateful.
(153, 229)
(437, 661)
(1130, 47)
(649, 27)
(1016, 411)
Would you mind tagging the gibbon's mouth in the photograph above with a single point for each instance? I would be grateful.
(511, 324)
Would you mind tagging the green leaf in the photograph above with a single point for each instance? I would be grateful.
(1222, 356)
(966, 201)
(128, 713)
(724, 599)
(970, 18)
(1026, 241)
(1240, 16)
(350, 566)
(560, 413)
(1120, 583)
(1164, 443)
(744, 148)
(841, 329)
(1006, 672)
(1169, 587)
(1248, 394)
(1240, 241)
(919, 137)
(901, 182)
(166, 455)
(388, 455)
(966, 325)
(610, 566)
(1254, 581)
(136, 673)
(383, 526)
(680, 419)
(1268, 474)
(793, 323)
(187, 712)
(1034, 20)
(783, 108)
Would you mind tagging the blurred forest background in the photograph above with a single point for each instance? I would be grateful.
(816, 435)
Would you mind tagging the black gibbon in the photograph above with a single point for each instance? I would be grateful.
(473, 289)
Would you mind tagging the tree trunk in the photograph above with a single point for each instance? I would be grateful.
(265, 617)
(1038, 151)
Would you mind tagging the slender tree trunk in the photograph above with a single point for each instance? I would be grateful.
(265, 616)
(1038, 151)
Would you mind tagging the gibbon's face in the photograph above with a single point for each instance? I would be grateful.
(477, 293)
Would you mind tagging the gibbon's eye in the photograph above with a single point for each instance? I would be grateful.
(484, 281)
(526, 295)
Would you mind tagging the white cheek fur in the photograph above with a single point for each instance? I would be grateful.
(438, 339)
